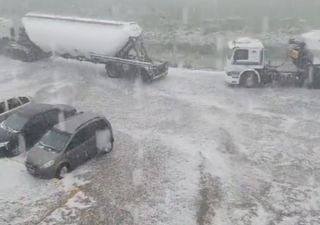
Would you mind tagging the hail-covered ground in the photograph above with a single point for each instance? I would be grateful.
(189, 150)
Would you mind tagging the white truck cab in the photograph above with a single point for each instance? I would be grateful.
(245, 59)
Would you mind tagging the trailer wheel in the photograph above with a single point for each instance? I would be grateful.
(249, 80)
(113, 70)
(145, 76)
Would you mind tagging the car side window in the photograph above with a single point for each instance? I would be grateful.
(37, 123)
(90, 131)
(101, 125)
(2, 107)
(52, 117)
(77, 140)
(24, 100)
(13, 103)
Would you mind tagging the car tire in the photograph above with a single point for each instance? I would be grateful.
(249, 80)
(62, 171)
(15, 152)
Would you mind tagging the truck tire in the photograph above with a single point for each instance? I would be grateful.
(113, 70)
(249, 80)
(316, 82)
(145, 77)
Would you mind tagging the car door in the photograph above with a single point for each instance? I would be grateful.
(90, 149)
(75, 151)
(35, 129)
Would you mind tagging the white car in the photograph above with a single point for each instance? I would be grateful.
(9, 106)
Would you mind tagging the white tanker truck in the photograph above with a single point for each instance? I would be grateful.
(117, 45)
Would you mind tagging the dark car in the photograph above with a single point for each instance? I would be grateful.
(26, 127)
(12, 105)
(69, 144)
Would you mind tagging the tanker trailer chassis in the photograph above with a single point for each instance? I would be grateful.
(132, 60)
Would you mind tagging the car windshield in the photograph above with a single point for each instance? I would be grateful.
(54, 140)
(14, 123)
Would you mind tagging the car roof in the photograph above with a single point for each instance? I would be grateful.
(31, 110)
(73, 123)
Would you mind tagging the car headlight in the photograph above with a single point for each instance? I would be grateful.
(48, 164)
(4, 144)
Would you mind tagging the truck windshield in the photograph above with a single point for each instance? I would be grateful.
(54, 140)
(241, 54)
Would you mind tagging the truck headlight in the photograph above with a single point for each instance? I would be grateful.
(4, 144)
(234, 74)
(48, 164)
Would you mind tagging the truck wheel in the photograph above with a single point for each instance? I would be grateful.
(113, 70)
(145, 76)
(249, 80)
(15, 152)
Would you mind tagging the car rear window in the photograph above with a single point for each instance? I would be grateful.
(24, 100)
(13, 103)
(2, 107)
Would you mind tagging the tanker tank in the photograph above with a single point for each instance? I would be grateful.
(117, 45)
(78, 36)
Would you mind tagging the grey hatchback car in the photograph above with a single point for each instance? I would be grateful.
(69, 144)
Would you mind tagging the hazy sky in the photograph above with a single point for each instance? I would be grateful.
(305, 9)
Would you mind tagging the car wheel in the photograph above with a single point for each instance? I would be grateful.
(62, 171)
(15, 152)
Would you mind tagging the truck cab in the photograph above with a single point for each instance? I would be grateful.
(245, 59)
